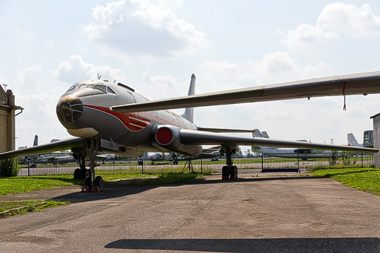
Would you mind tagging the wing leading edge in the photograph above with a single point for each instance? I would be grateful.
(354, 84)
(45, 148)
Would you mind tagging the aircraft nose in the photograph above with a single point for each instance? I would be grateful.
(69, 109)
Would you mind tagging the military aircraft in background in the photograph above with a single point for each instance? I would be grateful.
(367, 139)
(301, 153)
(111, 117)
(161, 156)
(31, 159)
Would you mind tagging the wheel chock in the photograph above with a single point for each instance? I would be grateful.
(95, 188)
(85, 188)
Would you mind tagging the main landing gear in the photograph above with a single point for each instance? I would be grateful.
(230, 171)
(91, 183)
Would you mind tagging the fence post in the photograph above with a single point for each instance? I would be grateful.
(298, 161)
(361, 154)
(262, 162)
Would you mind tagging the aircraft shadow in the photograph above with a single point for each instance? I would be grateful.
(252, 245)
(108, 192)
(115, 190)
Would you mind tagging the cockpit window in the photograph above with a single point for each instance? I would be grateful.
(82, 86)
(100, 87)
(74, 86)
(109, 90)
(91, 85)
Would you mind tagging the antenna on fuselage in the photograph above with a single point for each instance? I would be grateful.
(99, 76)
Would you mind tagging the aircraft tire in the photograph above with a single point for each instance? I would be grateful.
(225, 172)
(232, 172)
(87, 182)
(77, 174)
(99, 182)
(236, 172)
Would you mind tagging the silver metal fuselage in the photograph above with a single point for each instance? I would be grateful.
(84, 110)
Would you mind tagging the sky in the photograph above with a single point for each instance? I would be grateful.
(155, 46)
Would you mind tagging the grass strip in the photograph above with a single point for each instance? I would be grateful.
(11, 208)
(22, 184)
(364, 179)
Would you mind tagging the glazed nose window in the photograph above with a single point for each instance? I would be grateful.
(69, 109)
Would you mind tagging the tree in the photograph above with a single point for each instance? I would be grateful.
(9, 168)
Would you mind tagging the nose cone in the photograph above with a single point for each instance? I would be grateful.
(69, 109)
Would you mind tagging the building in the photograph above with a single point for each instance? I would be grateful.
(7, 120)
(376, 138)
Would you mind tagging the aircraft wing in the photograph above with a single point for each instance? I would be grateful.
(353, 84)
(225, 130)
(44, 148)
(193, 137)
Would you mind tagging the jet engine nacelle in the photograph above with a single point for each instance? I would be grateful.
(169, 137)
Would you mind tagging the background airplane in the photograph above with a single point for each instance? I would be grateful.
(303, 154)
(367, 139)
(113, 118)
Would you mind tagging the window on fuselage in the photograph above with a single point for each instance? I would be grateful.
(101, 87)
(109, 90)
(74, 86)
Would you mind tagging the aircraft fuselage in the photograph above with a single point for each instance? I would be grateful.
(84, 110)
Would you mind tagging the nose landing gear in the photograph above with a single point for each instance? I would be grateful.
(91, 183)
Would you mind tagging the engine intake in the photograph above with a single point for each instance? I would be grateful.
(169, 137)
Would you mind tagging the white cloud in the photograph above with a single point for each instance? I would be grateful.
(274, 67)
(280, 67)
(137, 28)
(159, 87)
(336, 20)
(76, 69)
(27, 79)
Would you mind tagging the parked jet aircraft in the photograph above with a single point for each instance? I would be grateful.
(30, 159)
(160, 156)
(352, 141)
(112, 117)
(301, 153)
(367, 139)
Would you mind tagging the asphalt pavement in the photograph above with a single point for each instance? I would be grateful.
(259, 212)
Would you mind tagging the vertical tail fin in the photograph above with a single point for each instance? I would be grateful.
(189, 112)
(35, 143)
(256, 133)
(352, 140)
(265, 134)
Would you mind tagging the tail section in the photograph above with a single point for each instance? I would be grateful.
(265, 134)
(35, 143)
(256, 133)
(189, 112)
(352, 140)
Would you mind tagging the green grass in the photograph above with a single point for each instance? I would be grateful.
(365, 179)
(25, 206)
(12, 185)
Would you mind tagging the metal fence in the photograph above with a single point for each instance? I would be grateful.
(288, 162)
